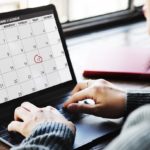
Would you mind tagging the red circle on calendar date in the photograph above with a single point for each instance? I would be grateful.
(38, 59)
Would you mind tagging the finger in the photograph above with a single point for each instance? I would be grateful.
(21, 114)
(81, 108)
(30, 107)
(15, 126)
(79, 87)
(52, 111)
(50, 108)
(81, 95)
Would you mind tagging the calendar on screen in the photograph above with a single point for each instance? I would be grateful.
(32, 57)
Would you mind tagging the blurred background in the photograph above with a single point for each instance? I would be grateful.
(71, 10)
(82, 16)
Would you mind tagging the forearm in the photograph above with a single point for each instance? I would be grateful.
(135, 99)
(49, 136)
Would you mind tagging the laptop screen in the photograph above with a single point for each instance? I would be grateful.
(32, 56)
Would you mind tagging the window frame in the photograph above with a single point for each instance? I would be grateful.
(101, 22)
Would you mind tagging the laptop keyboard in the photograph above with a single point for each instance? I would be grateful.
(12, 137)
(15, 138)
(69, 116)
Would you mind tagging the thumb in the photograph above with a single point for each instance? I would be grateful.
(81, 108)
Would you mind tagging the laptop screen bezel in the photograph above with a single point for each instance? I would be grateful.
(52, 91)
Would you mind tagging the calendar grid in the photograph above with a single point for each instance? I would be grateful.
(28, 80)
(27, 64)
(4, 87)
(26, 52)
(27, 37)
(16, 81)
(5, 98)
(39, 53)
(32, 57)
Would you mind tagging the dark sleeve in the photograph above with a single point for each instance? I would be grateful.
(48, 136)
(135, 134)
(135, 99)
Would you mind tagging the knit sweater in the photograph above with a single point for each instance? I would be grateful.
(48, 136)
(135, 132)
(135, 99)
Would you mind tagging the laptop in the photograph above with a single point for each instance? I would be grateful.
(118, 63)
(35, 67)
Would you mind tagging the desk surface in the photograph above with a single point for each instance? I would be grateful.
(129, 36)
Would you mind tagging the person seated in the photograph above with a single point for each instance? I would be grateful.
(46, 129)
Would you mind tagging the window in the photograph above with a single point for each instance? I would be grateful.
(80, 9)
(8, 5)
(80, 14)
(138, 3)
(71, 10)
(61, 5)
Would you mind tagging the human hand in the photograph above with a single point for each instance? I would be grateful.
(109, 99)
(28, 116)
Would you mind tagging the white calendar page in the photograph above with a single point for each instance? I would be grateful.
(31, 57)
